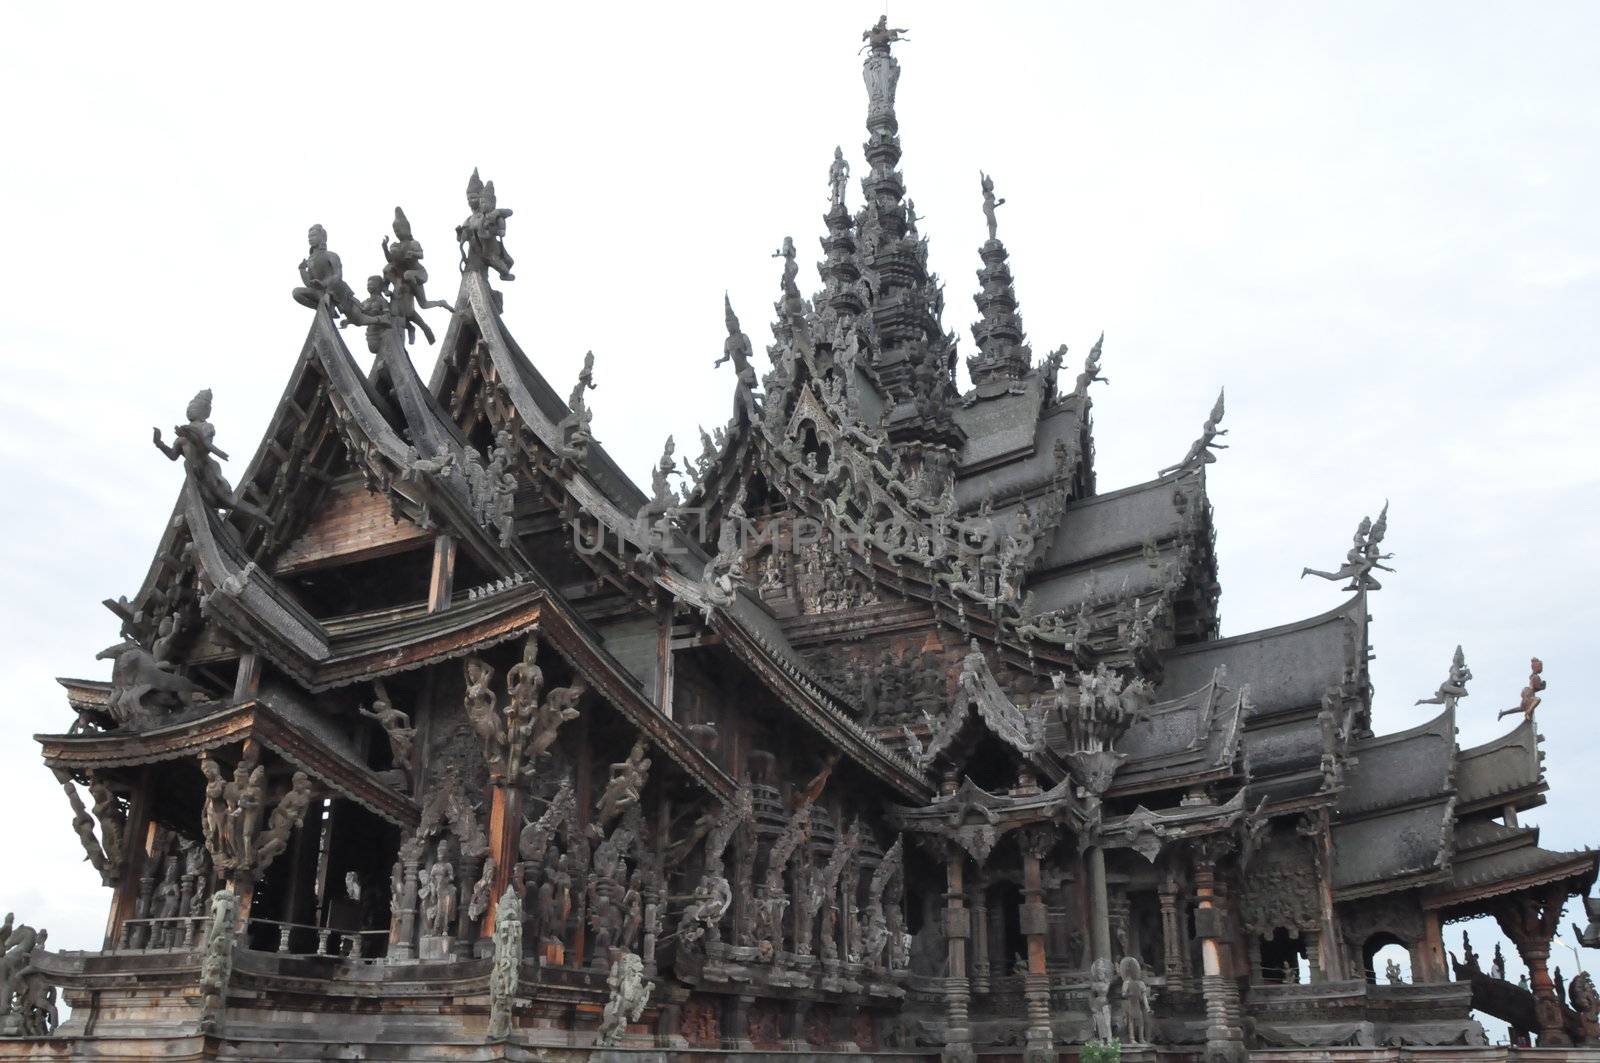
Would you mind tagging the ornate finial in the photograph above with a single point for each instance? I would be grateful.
(989, 202)
(736, 348)
(322, 281)
(1002, 353)
(482, 235)
(1363, 556)
(575, 426)
(880, 35)
(404, 272)
(1455, 685)
(1530, 693)
(1200, 451)
(194, 444)
(1091, 369)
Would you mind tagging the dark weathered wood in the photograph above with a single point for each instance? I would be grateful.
(441, 584)
(352, 524)
(248, 681)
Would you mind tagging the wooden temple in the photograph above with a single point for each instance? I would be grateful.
(876, 728)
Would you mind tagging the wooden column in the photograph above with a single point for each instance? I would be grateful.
(980, 936)
(505, 829)
(248, 680)
(441, 585)
(135, 850)
(1039, 1044)
(1224, 1037)
(1099, 907)
(244, 886)
(1331, 950)
(957, 929)
(1530, 920)
(1173, 949)
(1433, 950)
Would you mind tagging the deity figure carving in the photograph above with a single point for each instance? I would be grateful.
(478, 904)
(141, 684)
(322, 280)
(989, 203)
(1135, 1001)
(482, 235)
(216, 957)
(403, 269)
(1200, 451)
(1091, 370)
(1100, 976)
(1391, 973)
(439, 894)
(286, 816)
(1455, 685)
(736, 348)
(378, 308)
(1363, 556)
(503, 975)
(626, 783)
(194, 444)
(630, 992)
(838, 178)
(396, 727)
(1530, 694)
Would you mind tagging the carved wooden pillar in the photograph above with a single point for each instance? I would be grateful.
(1330, 952)
(1530, 920)
(1434, 969)
(980, 935)
(135, 847)
(957, 929)
(1039, 1044)
(1224, 1036)
(1099, 907)
(505, 827)
(1174, 954)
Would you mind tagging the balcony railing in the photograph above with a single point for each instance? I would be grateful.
(185, 932)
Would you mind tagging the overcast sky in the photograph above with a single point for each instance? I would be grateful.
(1375, 224)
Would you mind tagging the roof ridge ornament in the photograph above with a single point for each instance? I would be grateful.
(404, 272)
(1003, 353)
(1530, 694)
(1455, 685)
(1362, 557)
(194, 443)
(1200, 450)
(482, 235)
(737, 349)
(323, 284)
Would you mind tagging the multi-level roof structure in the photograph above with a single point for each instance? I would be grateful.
(437, 737)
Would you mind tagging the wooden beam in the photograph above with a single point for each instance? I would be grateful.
(248, 682)
(442, 584)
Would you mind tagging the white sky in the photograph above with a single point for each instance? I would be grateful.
(1376, 224)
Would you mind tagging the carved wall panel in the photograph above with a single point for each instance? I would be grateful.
(1281, 888)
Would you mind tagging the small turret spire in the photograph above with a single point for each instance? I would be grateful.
(1002, 353)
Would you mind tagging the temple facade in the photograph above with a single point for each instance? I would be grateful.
(877, 727)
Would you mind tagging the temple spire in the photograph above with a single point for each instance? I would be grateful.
(911, 354)
(1002, 355)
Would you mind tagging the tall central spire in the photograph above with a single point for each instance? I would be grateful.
(911, 351)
